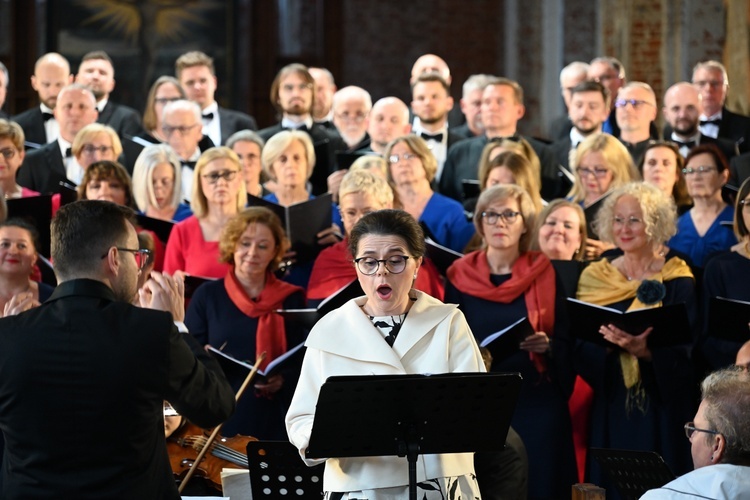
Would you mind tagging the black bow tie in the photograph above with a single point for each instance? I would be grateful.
(430, 137)
(301, 128)
(189, 164)
(687, 144)
(513, 138)
(47, 116)
(208, 116)
(715, 121)
(68, 153)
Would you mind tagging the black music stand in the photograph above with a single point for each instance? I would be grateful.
(409, 415)
(276, 471)
(633, 472)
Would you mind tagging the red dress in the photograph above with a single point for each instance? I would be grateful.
(187, 251)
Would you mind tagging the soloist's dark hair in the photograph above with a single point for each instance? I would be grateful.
(392, 223)
(84, 231)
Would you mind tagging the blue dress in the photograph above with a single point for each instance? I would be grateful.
(446, 222)
(183, 212)
(212, 318)
(717, 239)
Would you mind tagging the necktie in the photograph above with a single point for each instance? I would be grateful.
(47, 116)
(208, 117)
(715, 121)
(430, 137)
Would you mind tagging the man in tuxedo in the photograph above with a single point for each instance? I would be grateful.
(389, 119)
(97, 72)
(611, 73)
(4, 80)
(471, 105)
(325, 87)
(502, 108)
(431, 63)
(682, 110)
(710, 77)
(431, 102)
(588, 108)
(293, 97)
(45, 168)
(84, 376)
(635, 109)
(181, 125)
(197, 75)
(570, 76)
(51, 74)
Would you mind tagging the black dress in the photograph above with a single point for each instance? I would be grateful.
(541, 417)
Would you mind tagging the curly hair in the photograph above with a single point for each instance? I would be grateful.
(236, 226)
(659, 212)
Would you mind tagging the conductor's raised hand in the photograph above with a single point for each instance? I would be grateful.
(164, 293)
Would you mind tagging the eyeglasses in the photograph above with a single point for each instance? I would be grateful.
(358, 118)
(167, 130)
(165, 100)
(406, 157)
(227, 175)
(690, 429)
(8, 153)
(714, 84)
(369, 266)
(637, 104)
(141, 255)
(596, 172)
(630, 221)
(508, 217)
(90, 149)
(698, 170)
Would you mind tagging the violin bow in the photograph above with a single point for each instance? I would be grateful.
(216, 430)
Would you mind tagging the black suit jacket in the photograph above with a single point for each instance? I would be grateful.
(555, 184)
(32, 123)
(231, 121)
(739, 168)
(727, 146)
(462, 131)
(559, 128)
(82, 384)
(733, 127)
(4, 115)
(43, 169)
(126, 121)
(326, 143)
(132, 147)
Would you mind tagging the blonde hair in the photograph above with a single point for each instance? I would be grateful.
(90, 131)
(522, 171)
(362, 181)
(278, 143)
(616, 157)
(371, 162)
(508, 192)
(418, 146)
(199, 203)
(553, 206)
(143, 175)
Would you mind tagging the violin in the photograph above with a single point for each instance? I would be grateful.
(186, 443)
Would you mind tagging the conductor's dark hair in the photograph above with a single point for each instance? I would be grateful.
(84, 231)
(389, 223)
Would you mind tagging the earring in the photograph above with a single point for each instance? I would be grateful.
(415, 275)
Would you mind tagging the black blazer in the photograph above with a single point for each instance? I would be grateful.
(231, 121)
(132, 147)
(559, 128)
(326, 143)
(32, 123)
(739, 168)
(126, 121)
(43, 169)
(83, 378)
(462, 131)
(735, 127)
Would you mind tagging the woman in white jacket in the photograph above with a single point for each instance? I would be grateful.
(392, 330)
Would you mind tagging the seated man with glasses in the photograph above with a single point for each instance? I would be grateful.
(720, 442)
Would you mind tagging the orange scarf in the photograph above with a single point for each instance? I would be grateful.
(270, 335)
(532, 275)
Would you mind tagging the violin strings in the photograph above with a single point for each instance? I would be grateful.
(219, 450)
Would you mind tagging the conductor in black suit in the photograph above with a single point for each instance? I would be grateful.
(43, 169)
(196, 73)
(293, 96)
(98, 74)
(84, 376)
(710, 77)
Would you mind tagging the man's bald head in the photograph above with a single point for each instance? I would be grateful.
(430, 63)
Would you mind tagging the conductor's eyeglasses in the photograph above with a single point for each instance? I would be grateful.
(141, 255)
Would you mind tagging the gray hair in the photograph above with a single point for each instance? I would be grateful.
(475, 82)
(726, 398)
(712, 65)
(576, 68)
(246, 136)
(352, 91)
(183, 105)
(613, 63)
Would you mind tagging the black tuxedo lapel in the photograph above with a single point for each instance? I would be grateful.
(32, 123)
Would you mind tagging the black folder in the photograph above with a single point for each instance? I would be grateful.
(310, 316)
(590, 213)
(344, 159)
(471, 188)
(37, 211)
(162, 228)
(302, 221)
(68, 193)
(504, 343)
(441, 256)
(671, 325)
(236, 369)
(728, 319)
(568, 273)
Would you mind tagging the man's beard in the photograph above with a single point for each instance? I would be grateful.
(352, 139)
(588, 130)
(688, 131)
(431, 120)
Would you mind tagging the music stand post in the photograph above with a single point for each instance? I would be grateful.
(412, 415)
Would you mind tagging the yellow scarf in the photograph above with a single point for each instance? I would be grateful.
(602, 284)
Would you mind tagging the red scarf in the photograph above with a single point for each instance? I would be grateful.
(334, 269)
(271, 333)
(531, 275)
